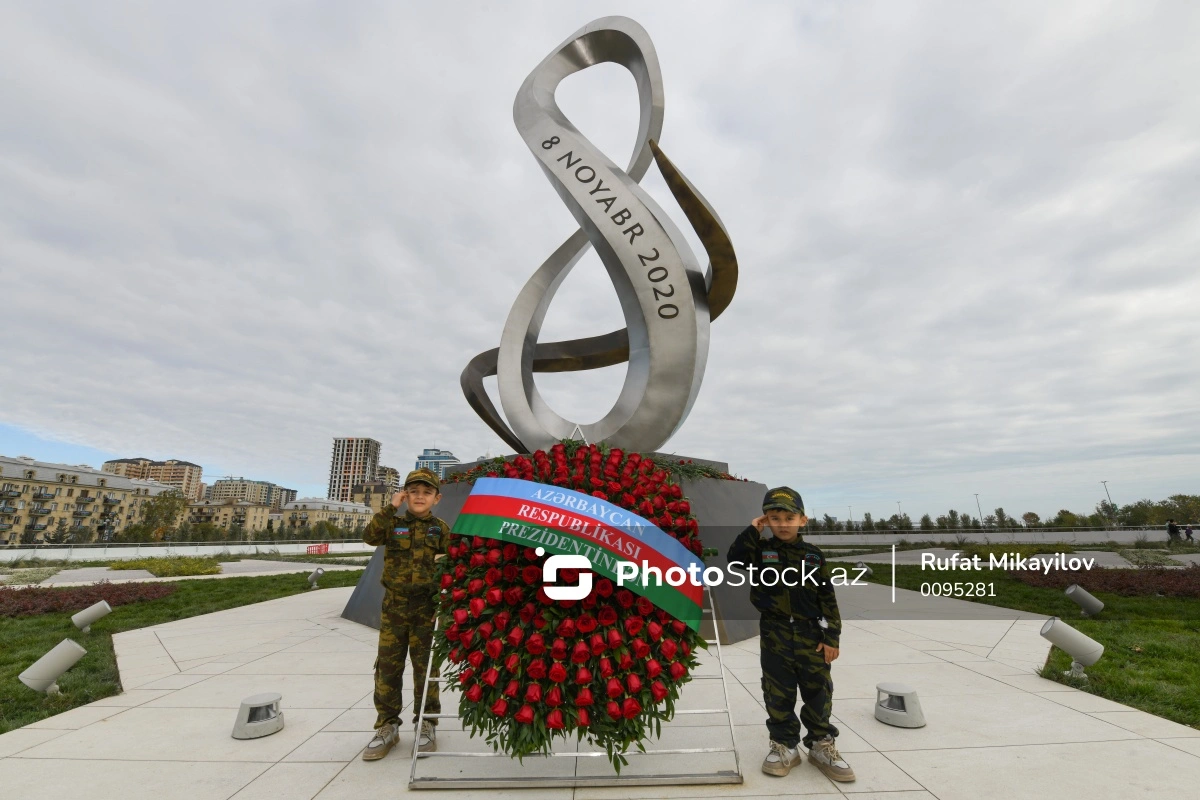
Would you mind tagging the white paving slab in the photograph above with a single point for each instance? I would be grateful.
(995, 728)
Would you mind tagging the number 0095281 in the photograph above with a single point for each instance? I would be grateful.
(947, 589)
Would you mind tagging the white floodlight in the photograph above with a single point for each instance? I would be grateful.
(43, 674)
(84, 619)
(862, 565)
(1090, 605)
(1083, 650)
(258, 716)
(315, 576)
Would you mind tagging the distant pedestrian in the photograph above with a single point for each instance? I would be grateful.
(1188, 533)
(1172, 531)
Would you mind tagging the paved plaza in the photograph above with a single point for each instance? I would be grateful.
(995, 729)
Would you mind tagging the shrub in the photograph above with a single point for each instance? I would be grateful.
(1125, 582)
(31, 600)
(1023, 550)
(172, 566)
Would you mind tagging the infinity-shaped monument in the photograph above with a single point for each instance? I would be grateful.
(666, 299)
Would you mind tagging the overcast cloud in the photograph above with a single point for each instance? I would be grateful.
(968, 236)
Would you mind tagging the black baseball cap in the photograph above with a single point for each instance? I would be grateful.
(783, 499)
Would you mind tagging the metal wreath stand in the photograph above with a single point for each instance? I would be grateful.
(539, 781)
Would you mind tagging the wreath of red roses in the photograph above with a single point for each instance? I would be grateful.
(609, 667)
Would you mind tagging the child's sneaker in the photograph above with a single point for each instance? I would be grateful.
(427, 738)
(780, 759)
(385, 739)
(825, 755)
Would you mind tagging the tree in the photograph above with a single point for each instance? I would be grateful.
(989, 521)
(137, 532)
(61, 533)
(926, 523)
(832, 524)
(953, 520)
(162, 511)
(868, 524)
(1002, 519)
(1031, 519)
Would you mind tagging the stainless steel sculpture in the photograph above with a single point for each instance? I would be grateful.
(666, 300)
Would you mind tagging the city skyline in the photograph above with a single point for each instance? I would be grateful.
(962, 272)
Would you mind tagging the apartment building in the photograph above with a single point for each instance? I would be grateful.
(182, 475)
(308, 511)
(258, 492)
(376, 495)
(230, 513)
(390, 476)
(436, 460)
(355, 460)
(35, 496)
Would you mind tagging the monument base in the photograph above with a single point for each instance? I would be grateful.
(723, 509)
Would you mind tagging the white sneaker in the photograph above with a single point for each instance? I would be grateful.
(427, 738)
(780, 759)
(384, 740)
(825, 755)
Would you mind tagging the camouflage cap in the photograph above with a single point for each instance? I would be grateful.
(784, 499)
(424, 475)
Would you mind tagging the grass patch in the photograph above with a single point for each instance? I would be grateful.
(333, 558)
(1148, 558)
(985, 551)
(26, 577)
(1150, 659)
(172, 566)
(27, 639)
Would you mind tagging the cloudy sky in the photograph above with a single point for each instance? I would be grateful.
(968, 236)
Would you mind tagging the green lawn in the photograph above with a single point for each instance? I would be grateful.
(1151, 655)
(26, 639)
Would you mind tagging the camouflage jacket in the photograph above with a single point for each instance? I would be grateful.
(409, 549)
(813, 598)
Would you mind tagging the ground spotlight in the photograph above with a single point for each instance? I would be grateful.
(1083, 650)
(84, 619)
(315, 576)
(258, 716)
(1090, 605)
(43, 674)
(863, 569)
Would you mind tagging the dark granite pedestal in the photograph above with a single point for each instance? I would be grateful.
(722, 507)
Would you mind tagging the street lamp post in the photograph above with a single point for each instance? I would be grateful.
(1111, 506)
(851, 510)
(978, 508)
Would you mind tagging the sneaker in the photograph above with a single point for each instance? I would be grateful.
(780, 759)
(427, 738)
(825, 755)
(386, 737)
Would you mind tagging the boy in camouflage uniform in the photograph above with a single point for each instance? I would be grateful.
(796, 648)
(412, 541)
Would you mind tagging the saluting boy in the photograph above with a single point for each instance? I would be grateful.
(796, 649)
(412, 541)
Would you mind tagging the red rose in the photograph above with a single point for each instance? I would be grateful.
(544, 598)
(633, 683)
(584, 698)
(513, 595)
(607, 615)
(530, 555)
(615, 639)
(586, 623)
(625, 598)
(458, 595)
(455, 655)
(653, 668)
(515, 636)
(656, 631)
(511, 689)
(485, 630)
(604, 587)
(502, 619)
(686, 648)
(533, 693)
(613, 709)
(668, 648)
(460, 572)
(589, 602)
(475, 693)
(500, 707)
(535, 645)
(583, 676)
(531, 575)
(678, 670)
(644, 606)
(536, 669)
(606, 668)
(491, 576)
(678, 626)
(613, 688)
(476, 560)
(525, 715)
(491, 676)
(633, 625)
(640, 648)
(465, 676)
(554, 720)
(446, 581)
(493, 556)
(475, 659)
(494, 648)
(558, 673)
(539, 622)
(625, 662)
(527, 612)
(684, 506)
(631, 708)
(460, 616)
(658, 691)
(465, 638)
(494, 596)
(554, 697)
(477, 606)
(566, 628)
(580, 653)
(510, 551)
(475, 586)
(513, 661)
(558, 650)
(596, 642)
(452, 632)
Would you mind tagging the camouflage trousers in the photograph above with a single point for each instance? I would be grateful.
(790, 660)
(405, 632)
